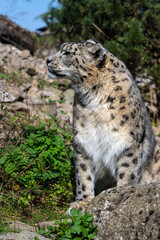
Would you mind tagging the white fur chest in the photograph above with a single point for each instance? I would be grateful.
(102, 145)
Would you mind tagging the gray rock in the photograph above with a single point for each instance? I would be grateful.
(67, 117)
(20, 226)
(127, 213)
(25, 87)
(33, 100)
(11, 32)
(141, 81)
(52, 93)
(46, 224)
(6, 97)
(31, 71)
(2, 84)
(33, 95)
(25, 54)
(69, 95)
(15, 91)
(23, 235)
(40, 115)
(18, 107)
(9, 93)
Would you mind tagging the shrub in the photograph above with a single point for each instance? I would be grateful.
(78, 228)
(39, 163)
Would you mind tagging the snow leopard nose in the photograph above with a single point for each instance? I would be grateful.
(48, 60)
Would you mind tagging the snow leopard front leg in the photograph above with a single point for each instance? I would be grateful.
(84, 171)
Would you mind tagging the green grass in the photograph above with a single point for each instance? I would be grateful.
(34, 214)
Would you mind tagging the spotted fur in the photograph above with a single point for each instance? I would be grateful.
(113, 139)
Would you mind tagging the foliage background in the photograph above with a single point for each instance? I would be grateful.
(129, 29)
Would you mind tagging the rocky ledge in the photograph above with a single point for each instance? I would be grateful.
(127, 213)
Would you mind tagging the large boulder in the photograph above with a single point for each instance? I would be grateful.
(15, 35)
(127, 213)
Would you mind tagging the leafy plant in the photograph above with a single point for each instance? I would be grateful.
(3, 76)
(78, 228)
(36, 238)
(38, 163)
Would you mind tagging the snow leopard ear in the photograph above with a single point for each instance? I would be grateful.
(95, 48)
(99, 55)
(102, 61)
(97, 52)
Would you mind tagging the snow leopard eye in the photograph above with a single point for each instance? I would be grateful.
(66, 53)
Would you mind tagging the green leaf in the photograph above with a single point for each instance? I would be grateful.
(91, 236)
(68, 233)
(42, 231)
(76, 229)
(89, 218)
(75, 212)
